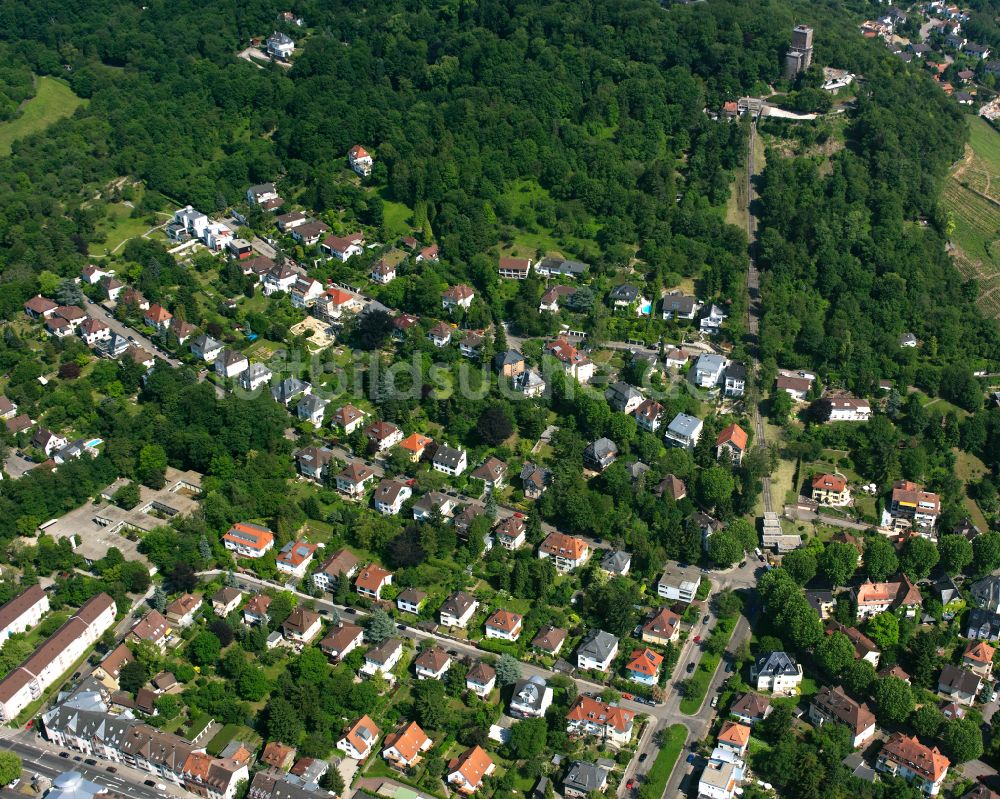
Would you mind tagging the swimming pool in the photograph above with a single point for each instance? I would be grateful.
(646, 308)
(94, 442)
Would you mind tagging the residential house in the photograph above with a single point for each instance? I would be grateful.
(751, 708)
(280, 277)
(493, 472)
(610, 723)
(302, 625)
(359, 739)
(371, 580)
(949, 595)
(531, 698)
(459, 296)
(312, 409)
(8, 409)
(341, 564)
(343, 248)
(151, 628)
(206, 348)
(47, 441)
(864, 647)
(314, 462)
(157, 317)
(360, 160)
(440, 334)
(671, 486)
(294, 558)
(181, 330)
(982, 625)
(280, 46)
(910, 501)
(644, 666)
(449, 460)
(961, 685)
(616, 563)
(679, 583)
(734, 380)
(431, 254)
(557, 267)
(458, 610)
(93, 331)
(509, 363)
(248, 540)
(58, 327)
(648, 415)
(833, 705)
(110, 667)
(415, 444)
(663, 628)
(534, 480)
(383, 658)
(254, 377)
(383, 273)
(677, 358)
(481, 679)
(734, 737)
(600, 454)
(255, 610)
(278, 755)
(623, 397)
(597, 650)
(504, 625)
(341, 639)
(708, 370)
(433, 502)
(731, 444)
(680, 306)
(585, 779)
(874, 598)
(410, 600)
(830, 489)
(384, 435)
(348, 418)
(510, 533)
(904, 756)
(549, 302)
(684, 431)
(978, 657)
(432, 664)
(305, 291)
(230, 363)
(627, 296)
(796, 387)
(721, 777)
(514, 268)
(574, 363)
(986, 593)
(466, 771)
(390, 495)
(776, 672)
(566, 551)
(711, 319)
(181, 612)
(353, 480)
(549, 640)
(226, 600)
(847, 409)
(288, 222)
(309, 233)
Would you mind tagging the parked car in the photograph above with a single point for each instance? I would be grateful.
(90, 761)
(111, 769)
(697, 639)
(64, 754)
(690, 667)
(150, 783)
(715, 701)
(628, 696)
(691, 758)
(706, 619)
(630, 784)
(643, 756)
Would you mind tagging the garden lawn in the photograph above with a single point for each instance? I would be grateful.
(670, 749)
(53, 100)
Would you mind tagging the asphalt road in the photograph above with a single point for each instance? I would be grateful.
(100, 312)
(39, 757)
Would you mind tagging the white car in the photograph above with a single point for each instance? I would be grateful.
(715, 701)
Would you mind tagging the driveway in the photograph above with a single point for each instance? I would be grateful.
(15, 466)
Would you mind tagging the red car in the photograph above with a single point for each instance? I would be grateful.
(627, 696)
(697, 639)
(630, 784)
(30, 724)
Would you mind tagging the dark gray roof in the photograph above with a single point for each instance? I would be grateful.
(448, 456)
(736, 371)
(585, 777)
(616, 561)
(983, 623)
(530, 692)
(776, 664)
(602, 448)
(954, 678)
(507, 358)
(597, 645)
(625, 292)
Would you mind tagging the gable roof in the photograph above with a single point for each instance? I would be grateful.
(504, 620)
(663, 624)
(371, 577)
(735, 435)
(586, 709)
(834, 702)
(549, 638)
(472, 764)
(751, 706)
(927, 762)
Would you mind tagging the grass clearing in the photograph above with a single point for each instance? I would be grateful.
(397, 217)
(972, 197)
(671, 744)
(969, 469)
(119, 227)
(53, 100)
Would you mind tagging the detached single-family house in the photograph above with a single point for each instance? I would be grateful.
(280, 46)
(680, 306)
(684, 431)
(359, 740)
(383, 658)
(341, 639)
(664, 628)
(751, 708)
(181, 612)
(531, 698)
(295, 557)
(731, 444)
(405, 747)
(679, 583)
(255, 610)
(504, 625)
(254, 377)
(592, 717)
(231, 363)
(410, 600)
(458, 610)
(493, 472)
(459, 296)
(644, 666)
(585, 779)
(390, 495)
(226, 600)
(312, 409)
(623, 397)
(248, 540)
(833, 705)
(206, 348)
(566, 551)
(342, 564)
(600, 454)
(449, 460)
(157, 317)
(371, 580)
(466, 771)
(734, 737)
(348, 418)
(343, 248)
(432, 664)
(384, 435)
(549, 639)
(597, 650)
(353, 480)
(711, 319)
(961, 685)
(514, 268)
(574, 363)
(830, 489)
(923, 766)
(648, 415)
(776, 672)
(481, 679)
(360, 160)
(302, 625)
